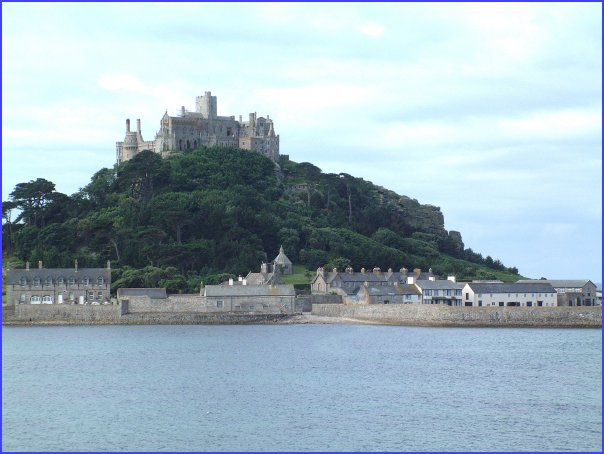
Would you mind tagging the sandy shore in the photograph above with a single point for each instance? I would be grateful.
(308, 318)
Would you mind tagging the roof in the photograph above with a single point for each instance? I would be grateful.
(385, 290)
(14, 276)
(560, 283)
(440, 284)
(257, 278)
(250, 290)
(155, 293)
(282, 258)
(517, 287)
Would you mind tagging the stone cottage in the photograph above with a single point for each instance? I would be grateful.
(58, 285)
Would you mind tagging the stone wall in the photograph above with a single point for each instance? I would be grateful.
(195, 318)
(64, 313)
(439, 315)
(304, 302)
(173, 304)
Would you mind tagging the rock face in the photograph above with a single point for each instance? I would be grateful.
(423, 218)
(455, 237)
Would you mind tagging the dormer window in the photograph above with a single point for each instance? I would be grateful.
(71, 281)
(23, 281)
(100, 280)
(86, 281)
(60, 280)
(48, 281)
(36, 281)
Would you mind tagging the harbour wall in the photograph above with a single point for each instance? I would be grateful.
(440, 315)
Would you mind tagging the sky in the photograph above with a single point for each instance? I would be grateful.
(492, 112)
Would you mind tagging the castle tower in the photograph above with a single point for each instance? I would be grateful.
(207, 105)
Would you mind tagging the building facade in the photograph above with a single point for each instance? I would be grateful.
(571, 292)
(203, 127)
(501, 294)
(58, 285)
(440, 292)
(348, 282)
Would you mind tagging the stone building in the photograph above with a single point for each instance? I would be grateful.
(250, 298)
(499, 294)
(348, 282)
(58, 285)
(203, 127)
(571, 292)
(385, 294)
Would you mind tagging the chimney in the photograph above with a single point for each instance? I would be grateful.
(39, 264)
(127, 124)
(244, 282)
(390, 270)
(108, 264)
(396, 283)
(377, 270)
(231, 281)
(182, 111)
(431, 278)
(27, 266)
(239, 278)
(335, 270)
(362, 270)
(417, 271)
(410, 280)
(451, 278)
(76, 265)
(404, 271)
(138, 125)
(240, 119)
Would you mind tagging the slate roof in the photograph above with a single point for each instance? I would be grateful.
(386, 290)
(14, 276)
(155, 293)
(559, 283)
(517, 287)
(438, 285)
(282, 258)
(250, 290)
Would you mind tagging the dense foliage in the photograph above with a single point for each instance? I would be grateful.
(216, 212)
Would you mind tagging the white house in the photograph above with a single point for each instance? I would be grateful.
(510, 294)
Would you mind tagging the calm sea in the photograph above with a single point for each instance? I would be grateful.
(300, 388)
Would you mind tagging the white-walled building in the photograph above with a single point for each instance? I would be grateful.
(510, 294)
(571, 292)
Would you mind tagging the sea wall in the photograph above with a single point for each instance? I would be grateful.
(65, 313)
(172, 304)
(440, 315)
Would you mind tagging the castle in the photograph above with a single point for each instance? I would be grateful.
(191, 130)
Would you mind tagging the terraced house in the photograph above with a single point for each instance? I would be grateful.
(58, 285)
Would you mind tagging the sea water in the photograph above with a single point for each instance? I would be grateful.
(300, 388)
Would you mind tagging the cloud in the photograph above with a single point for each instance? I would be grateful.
(370, 29)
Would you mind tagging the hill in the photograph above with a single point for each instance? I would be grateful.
(217, 211)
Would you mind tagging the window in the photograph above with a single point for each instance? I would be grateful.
(100, 280)
(219, 304)
(501, 304)
(86, 281)
(251, 307)
(36, 281)
(71, 281)
(48, 281)
(23, 281)
(529, 304)
(47, 299)
(22, 298)
(71, 297)
(35, 300)
(60, 280)
(99, 296)
(237, 306)
(467, 296)
(480, 302)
